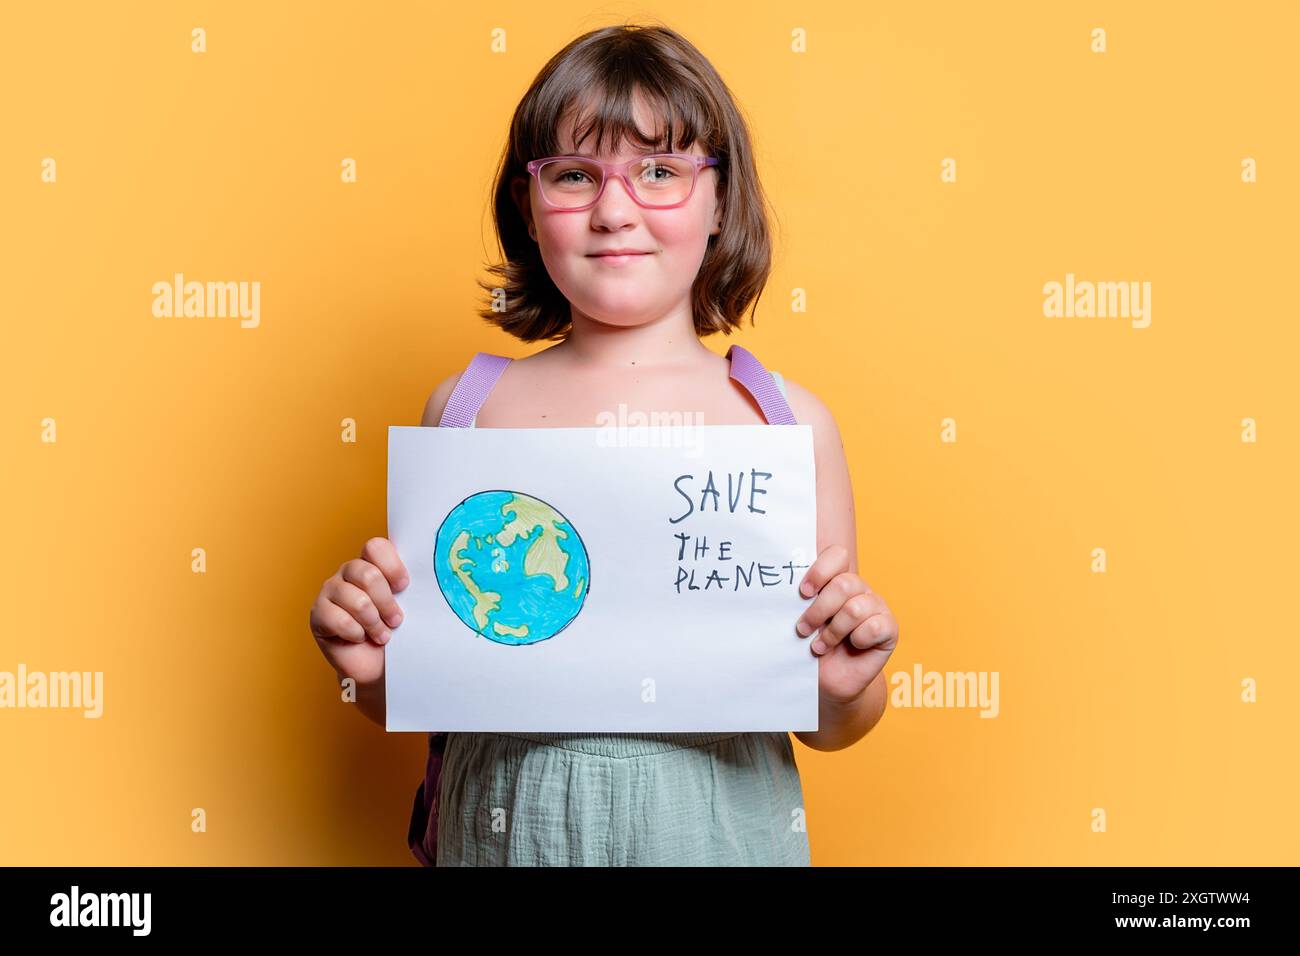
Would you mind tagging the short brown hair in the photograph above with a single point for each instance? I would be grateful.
(612, 66)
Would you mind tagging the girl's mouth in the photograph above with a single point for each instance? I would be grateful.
(619, 260)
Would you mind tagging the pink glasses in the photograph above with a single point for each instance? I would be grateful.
(663, 181)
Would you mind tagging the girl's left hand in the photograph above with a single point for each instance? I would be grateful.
(845, 607)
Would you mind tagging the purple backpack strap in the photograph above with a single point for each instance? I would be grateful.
(749, 372)
(462, 407)
(470, 392)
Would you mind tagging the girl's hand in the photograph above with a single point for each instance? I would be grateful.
(845, 607)
(355, 609)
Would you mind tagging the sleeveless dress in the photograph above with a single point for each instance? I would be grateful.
(620, 799)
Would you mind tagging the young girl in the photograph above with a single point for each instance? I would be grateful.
(627, 246)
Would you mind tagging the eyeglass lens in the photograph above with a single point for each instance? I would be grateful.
(657, 180)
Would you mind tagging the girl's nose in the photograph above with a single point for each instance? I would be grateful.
(615, 207)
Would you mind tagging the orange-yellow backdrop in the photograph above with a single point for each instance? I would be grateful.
(1120, 691)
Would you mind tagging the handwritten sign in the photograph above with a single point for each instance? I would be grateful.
(564, 581)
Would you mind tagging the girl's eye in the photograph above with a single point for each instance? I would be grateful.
(560, 177)
(651, 172)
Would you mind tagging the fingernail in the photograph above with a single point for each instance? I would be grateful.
(818, 647)
(803, 629)
(806, 589)
(399, 616)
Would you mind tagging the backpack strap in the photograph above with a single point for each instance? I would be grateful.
(472, 390)
(422, 830)
(466, 399)
(758, 381)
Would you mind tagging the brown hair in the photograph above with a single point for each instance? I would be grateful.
(612, 66)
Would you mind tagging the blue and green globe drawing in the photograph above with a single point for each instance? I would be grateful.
(512, 567)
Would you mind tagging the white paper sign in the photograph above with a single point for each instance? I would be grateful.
(563, 580)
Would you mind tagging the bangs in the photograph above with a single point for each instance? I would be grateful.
(600, 96)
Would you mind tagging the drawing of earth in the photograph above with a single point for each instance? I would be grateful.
(511, 567)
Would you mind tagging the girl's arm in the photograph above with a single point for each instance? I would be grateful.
(846, 711)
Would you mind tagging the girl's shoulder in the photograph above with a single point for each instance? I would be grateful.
(828, 443)
(808, 409)
(438, 399)
(441, 393)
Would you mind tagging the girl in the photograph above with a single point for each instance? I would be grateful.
(627, 247)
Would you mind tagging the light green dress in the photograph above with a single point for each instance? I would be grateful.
(626, 799)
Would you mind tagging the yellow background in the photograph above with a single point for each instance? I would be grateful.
(1119, 690)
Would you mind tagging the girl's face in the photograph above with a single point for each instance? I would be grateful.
(645, 287)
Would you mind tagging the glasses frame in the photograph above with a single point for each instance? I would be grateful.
(621, 171)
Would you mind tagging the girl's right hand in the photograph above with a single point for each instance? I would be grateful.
(355, 609)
